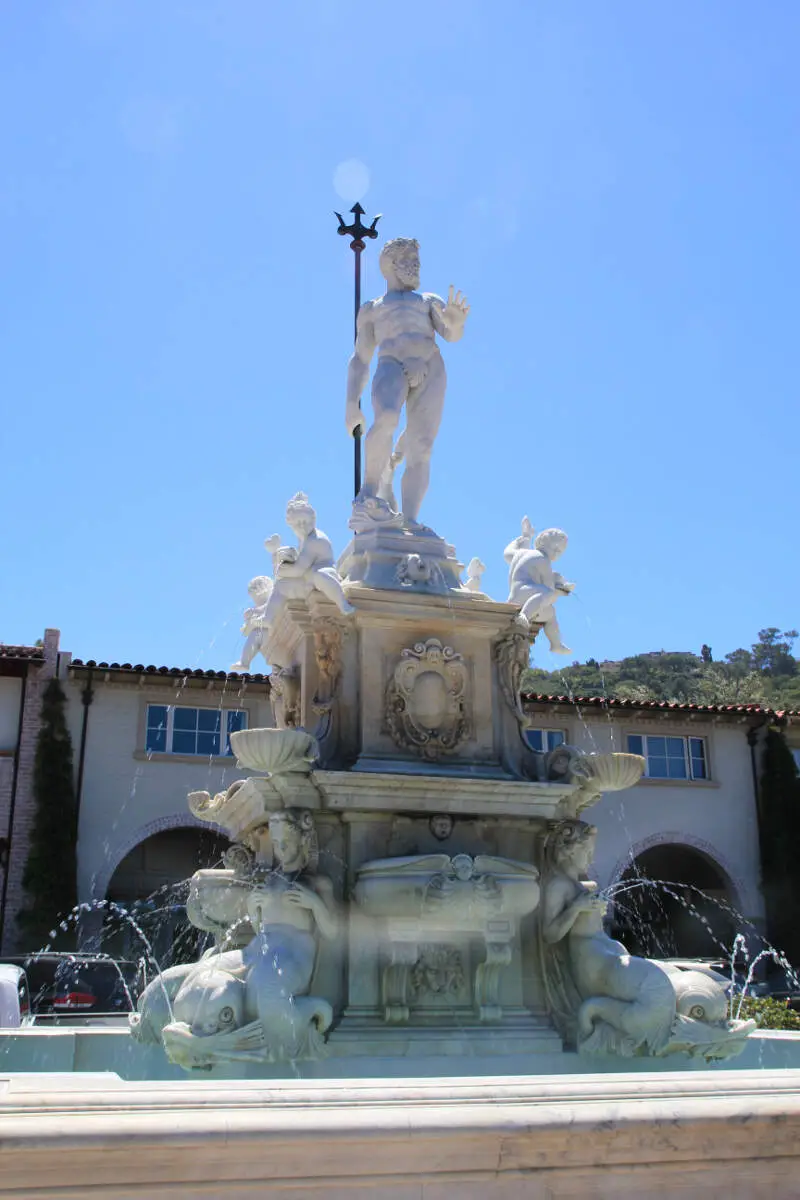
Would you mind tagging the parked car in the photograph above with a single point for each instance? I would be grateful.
(66, 985)
(15, 1008)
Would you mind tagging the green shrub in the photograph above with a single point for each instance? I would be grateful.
(770, 1013)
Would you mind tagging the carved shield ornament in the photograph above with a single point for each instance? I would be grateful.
(426, 700)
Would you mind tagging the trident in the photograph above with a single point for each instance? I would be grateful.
(357, 232)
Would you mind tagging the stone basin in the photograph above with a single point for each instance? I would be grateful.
(432, 885)
(217, 900)
(279, 751)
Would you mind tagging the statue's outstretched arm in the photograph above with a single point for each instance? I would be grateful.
(358, 367)
(523, 542)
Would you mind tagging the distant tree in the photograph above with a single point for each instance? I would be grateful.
(768, 674)
(720, 686)
(740, 661)
(773, 655)
(779, 838)
(50, 876)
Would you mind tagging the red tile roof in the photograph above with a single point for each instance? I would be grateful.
(662, 705)
(30, 652)
(188, 672)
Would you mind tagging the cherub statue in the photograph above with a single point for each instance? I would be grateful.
(260, 590)
(402, 325)
(533, 584)
(302, 569)
(475, 569)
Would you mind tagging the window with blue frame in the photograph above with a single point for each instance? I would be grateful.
(671, 757)
(174, 729)
(545, 739)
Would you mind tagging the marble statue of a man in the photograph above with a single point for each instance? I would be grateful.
(403, 325)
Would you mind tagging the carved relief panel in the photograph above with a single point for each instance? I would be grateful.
(427, 700)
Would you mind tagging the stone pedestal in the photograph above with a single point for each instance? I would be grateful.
(396, 559)
(414, 680)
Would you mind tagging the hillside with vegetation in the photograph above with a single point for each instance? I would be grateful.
(767, 674)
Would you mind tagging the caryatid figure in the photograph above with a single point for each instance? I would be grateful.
(402, 325)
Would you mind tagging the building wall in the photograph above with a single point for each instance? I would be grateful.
(10, 692)
(128, 795)
(717, 817)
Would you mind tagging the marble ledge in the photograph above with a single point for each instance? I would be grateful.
(204, 760)
(379, 605)
(374, 790)
(686, 1134)
(681, 783)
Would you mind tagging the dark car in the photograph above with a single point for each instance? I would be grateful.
(76, 985)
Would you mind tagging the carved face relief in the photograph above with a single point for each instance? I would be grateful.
(439, 971)
(426, 709)
(290, 831)
(441, 826)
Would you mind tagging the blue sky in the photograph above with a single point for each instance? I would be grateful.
(614, 184)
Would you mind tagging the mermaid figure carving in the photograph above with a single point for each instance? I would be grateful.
(252, 1003)
(605, 1000)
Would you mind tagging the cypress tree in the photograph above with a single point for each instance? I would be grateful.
(50, 876)
(779, 836)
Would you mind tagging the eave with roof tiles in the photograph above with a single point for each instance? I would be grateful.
(167, 676)
(736, 712)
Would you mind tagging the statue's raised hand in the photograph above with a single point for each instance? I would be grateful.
(456, 309)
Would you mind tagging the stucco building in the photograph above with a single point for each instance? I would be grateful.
(144, 736)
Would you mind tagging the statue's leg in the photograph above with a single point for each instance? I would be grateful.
(327, 581)
(389, 392)
(386, 488)
(553, 635)
(274, 605)
(424, 415)
(536, 606)
(250, 650)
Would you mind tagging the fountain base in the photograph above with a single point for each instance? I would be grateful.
(684, 1134)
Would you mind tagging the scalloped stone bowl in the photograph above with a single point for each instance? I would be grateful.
(617, 771)
(279, 751)
(217, 899)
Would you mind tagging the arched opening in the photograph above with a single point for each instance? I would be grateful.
(151, 884)
(685, 917)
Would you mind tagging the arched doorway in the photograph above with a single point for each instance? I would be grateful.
(151, 883)
(685, 917)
